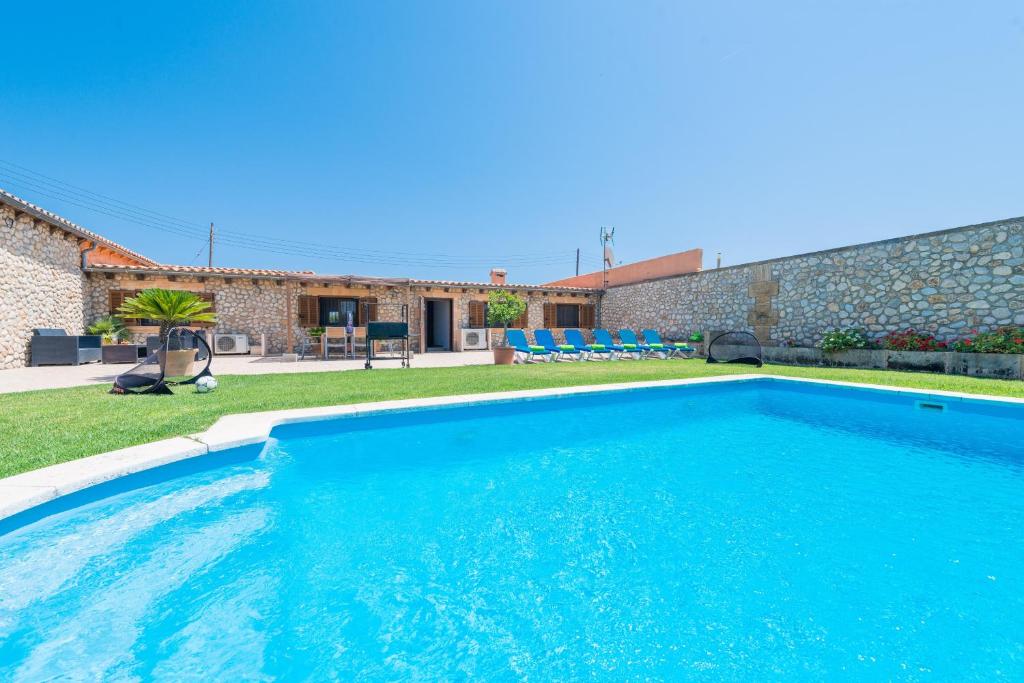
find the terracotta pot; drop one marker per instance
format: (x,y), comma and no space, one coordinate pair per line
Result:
(504,355)
(178,363)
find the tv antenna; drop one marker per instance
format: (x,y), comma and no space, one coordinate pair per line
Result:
(607,254)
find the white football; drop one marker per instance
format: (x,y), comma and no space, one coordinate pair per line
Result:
(205,384)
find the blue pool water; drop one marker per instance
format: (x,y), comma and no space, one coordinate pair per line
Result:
(764,530)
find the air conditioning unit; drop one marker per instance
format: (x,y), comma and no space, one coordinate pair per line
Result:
(473,340)
(230,343)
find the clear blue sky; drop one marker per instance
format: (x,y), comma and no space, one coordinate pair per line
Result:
(480,133)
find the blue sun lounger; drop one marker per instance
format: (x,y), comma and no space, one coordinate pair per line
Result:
(525,351)
(604,337)
(676,348)
(575,337)
(628,338)
(547,340)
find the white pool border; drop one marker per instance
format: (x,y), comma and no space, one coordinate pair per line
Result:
(24,491)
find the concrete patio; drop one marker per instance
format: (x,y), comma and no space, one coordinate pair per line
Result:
(53,377)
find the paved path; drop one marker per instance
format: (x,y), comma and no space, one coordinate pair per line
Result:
(52,377)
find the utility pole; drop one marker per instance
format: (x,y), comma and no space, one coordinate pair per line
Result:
(210,260)
(607,237)
(718,262)
(577,261)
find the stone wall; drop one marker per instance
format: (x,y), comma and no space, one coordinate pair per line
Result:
(40,283)
(944,282)
(243,306)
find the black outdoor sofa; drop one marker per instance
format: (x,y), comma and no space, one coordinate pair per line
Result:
(53,346)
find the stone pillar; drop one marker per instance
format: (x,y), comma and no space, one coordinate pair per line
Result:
(762,316)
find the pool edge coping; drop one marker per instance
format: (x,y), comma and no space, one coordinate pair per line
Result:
(31,489)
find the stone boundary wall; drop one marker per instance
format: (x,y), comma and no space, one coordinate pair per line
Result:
(945,283)
(40,283)
(996,365)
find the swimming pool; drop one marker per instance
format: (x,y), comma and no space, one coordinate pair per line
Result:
(747,530)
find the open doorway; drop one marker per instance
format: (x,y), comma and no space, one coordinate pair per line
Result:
(438,324)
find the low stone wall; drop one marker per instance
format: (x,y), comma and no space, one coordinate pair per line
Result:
(40,283)
(995,365)
(944,283)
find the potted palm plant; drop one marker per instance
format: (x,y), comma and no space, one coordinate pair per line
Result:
(502,308)
(170,308)
(110,329)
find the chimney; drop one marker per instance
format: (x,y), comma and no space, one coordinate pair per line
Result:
(498,276)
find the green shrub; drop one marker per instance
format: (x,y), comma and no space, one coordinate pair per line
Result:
(697,337)
(110,328)
(844,339)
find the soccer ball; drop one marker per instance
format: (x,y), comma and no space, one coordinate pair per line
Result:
(205,384)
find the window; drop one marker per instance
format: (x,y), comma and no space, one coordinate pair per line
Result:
(523,321)
(478,317)
(588,316)
(334,311)
(309,310)
(117,298)
(567,315)
(477,314)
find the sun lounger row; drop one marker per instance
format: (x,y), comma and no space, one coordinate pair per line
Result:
(604,346)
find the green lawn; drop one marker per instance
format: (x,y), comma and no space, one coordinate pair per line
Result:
(45,427)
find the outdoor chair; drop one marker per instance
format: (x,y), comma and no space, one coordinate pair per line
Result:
(575,337)
(52,346)
(335,338)
(304,346)
(680,349)
(628,338)
(547,340)
(526,352)
(605,337)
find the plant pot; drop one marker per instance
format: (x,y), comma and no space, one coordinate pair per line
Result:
(178,363)
(504,355)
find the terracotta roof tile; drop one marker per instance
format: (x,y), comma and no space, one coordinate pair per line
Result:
(73,228)
(507,285)
(199,270)
(308,275)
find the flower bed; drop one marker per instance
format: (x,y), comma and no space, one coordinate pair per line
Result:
(998,365)
(911,340)
(1003,340)
(1008,340)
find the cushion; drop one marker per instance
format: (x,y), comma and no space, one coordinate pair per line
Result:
(597,347)
(566,347)
(629,346)
(657,346)
(534,347)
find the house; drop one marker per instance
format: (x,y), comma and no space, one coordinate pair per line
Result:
(54,273)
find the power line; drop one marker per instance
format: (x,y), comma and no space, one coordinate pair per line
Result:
(296,248)
(77,196)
